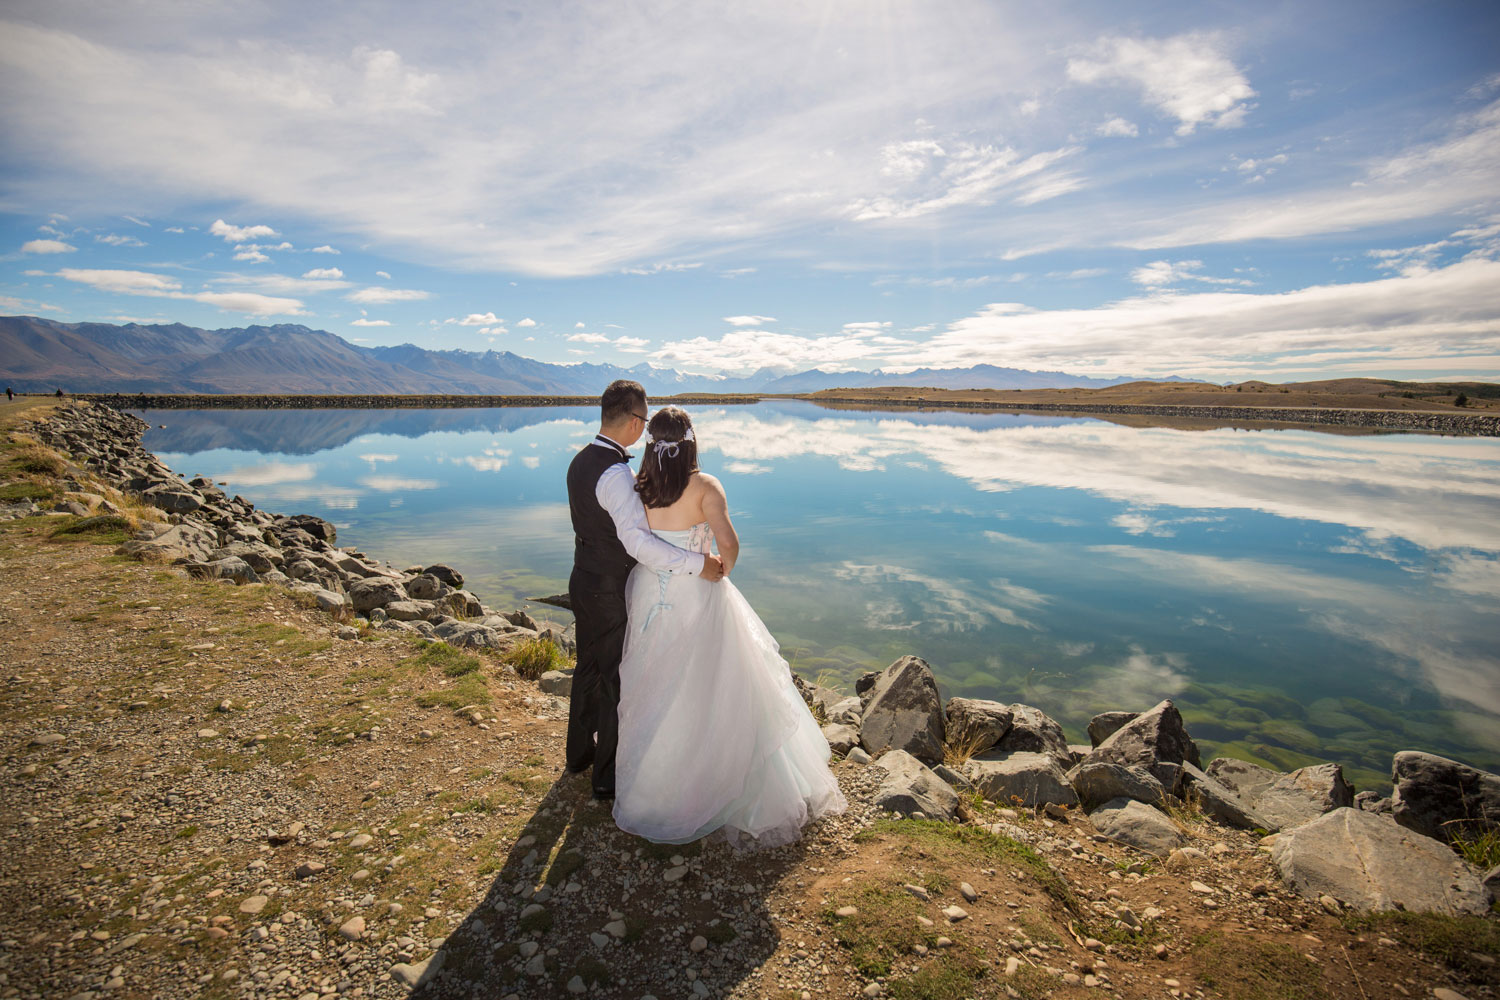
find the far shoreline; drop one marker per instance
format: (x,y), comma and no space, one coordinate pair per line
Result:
(1448,421)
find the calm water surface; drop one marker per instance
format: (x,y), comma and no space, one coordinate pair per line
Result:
(1303,595)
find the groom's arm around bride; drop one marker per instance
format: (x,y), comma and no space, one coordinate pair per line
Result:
(610,535)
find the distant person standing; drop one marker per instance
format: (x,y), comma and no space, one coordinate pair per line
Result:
(9,395)
(59,394)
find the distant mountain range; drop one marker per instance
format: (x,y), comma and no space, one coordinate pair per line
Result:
(40,355)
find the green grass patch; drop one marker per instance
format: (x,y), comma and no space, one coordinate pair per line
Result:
(535,657)
(1454,941)
(885,928)
(102,529)
(35,460)
(26,489)
(186,832)
(972,842)
(468,689)
(452,662)
(1479,848)
(1238,967)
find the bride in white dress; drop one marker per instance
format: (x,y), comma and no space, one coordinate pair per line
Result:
(713,734)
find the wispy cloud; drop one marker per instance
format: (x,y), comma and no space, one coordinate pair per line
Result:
(239,234)
(1188,77)
(47,246)
(380,296)
(159,286)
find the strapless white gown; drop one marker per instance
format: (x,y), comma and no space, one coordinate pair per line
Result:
(713,735)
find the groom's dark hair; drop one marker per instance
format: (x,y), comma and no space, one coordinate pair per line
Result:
(623,398)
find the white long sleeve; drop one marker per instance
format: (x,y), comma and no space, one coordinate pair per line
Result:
(616,493)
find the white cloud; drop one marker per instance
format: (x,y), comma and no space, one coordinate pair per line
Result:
(282,283)
(159,286)
(325,248)
(271,473)
(923,177)
(138,222)
(477,319)
(631,345)
(254,256)
(1446,317)
(527,322)
(588,338)
(252,303)
(115,240)
(1187,76)
(381,296)
(370,322)
(748,320)
(1160,273)
(47,246)
(239,234)
(129,282)
(174,229)
(660,268)
(323,273)
(398,484)
(1118,127)
(751,349)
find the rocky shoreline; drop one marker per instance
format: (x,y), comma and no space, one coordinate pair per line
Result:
(1123,811)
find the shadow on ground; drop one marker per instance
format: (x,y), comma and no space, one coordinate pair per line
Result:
(577,897)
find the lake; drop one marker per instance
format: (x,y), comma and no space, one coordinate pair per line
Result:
(1302,595)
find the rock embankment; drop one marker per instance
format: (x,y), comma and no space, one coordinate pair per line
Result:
(1468,424)
(216,536)
(1143,770)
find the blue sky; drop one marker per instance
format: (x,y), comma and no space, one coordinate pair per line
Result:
(1278,190)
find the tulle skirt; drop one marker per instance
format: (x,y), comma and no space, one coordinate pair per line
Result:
(713,735)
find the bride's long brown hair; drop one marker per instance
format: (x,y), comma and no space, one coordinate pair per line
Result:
(664,475)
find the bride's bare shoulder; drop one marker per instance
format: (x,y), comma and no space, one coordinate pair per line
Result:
(704,481)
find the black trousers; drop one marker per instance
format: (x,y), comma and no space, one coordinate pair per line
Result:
(599,613)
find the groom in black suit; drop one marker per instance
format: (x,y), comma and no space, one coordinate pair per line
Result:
(610,535)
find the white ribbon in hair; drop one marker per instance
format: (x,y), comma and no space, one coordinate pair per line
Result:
(669,447)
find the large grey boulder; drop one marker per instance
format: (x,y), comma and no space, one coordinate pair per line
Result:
(1241,777)
(904,712)
(373,592)
(174,498)
(1138,825)
(1106,724)
(314,526)
(1219,802)
(1439,798)
(466,635)
(1304,795)
(232,568)
(447,574)
(1022,778)
(910,786)
(261,557)
(556,682)
(1099,782)
(1032,731)
(975,724)
(841,738)
(845,711)
(1155,740)
(409,611)
(1368,862)
(426,588)
(180,543)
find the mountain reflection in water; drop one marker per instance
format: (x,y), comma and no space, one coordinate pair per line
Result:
(1304,595)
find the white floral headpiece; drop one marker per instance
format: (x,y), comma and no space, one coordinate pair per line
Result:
(668,447)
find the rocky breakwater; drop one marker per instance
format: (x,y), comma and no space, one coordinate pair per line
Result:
(212,535)
(1141,777)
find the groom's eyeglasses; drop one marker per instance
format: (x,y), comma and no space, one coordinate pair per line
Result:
(639,416)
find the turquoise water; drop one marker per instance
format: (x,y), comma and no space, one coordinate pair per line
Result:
(1303,595)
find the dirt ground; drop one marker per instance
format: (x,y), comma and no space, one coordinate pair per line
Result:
(205,793)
